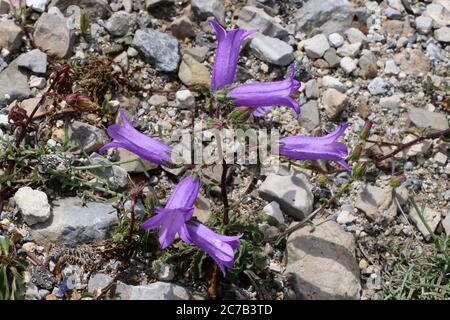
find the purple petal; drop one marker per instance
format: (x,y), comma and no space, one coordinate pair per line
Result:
(185,193)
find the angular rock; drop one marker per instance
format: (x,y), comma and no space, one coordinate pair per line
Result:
(13,84)
(348,65)
(98,281)
(431,216)
(52,35)
(349,50)
(96,8)
(378,86)
(34,60)
(336,40)
(392,102)
(202,209)
(442,34)
(182,28)
(439,14)
(10,36)
(421,118)
(355,36)
(293,193)
(332,58)
(310,118)
(116,177)
(417,149)
(327,16)
(321,265)
(73,223)
(435,52)
(33,205)
(153,291)
(446,224)
(368,65)
(413,62)
(393,14)
(272,50)
(424,24)
(204,9)
(89,137)
(273,210)
(312,89)
(334,103)
(331,82)
(185,99)
(377,204)
(193,73)
(316,46)
(37,5)
(159,49)
(120,23)
(390,68)
(255,18)
(140,165)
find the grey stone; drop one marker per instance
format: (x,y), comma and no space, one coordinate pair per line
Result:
(120,23)
(346,215)
(349,50)
(32,292)
(392,102)
(256,18)
(426,119)
(98,281)
(33,205)
(446,223)
(312,89)
(273,210)
(439,14)
(96,8)
(378,86)
(336,40)
(310,118)
(52,35)
(393,14)
(166,272)
(198,53)
(332,248)
(293,193)
(89,137)
(140,165)
(332,58)
(13,84)
(334,103)
(390,68)
(377,204)
(368,65)
(435,52)
(116,177)
(37,5)
(34,60)
(424,24)
(432,217)
(185,99)
(327,16)
(153,291)
(160,49)
(10,36)
(355,36)
(204,9)
(331,82)
(73,223)
(442,34)
(316,46)
(272,50)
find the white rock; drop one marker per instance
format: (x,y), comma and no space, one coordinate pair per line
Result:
(378,86)
(33,205)
(354,36)
(273,210)
(348,65)
(272,50)
(316,46)
(185,99)
(392,102)
(347,215)
(37,5)
(349,50)
(442,34)
(331,82)
(37,82)
(391,68)
(424,24)
(336,40)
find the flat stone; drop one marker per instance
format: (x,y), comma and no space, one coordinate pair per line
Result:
(377,204)
(89,137)
(193,73)
(439,14)
(432,217)
(420,148)
(424,24)
(316,46)
(256,18)
(310,118)
(159,49)
(153,291)
(116,177)
(413,62)
(52,35)
(392,102)
(398,28)
(331,82)
(346,215)
(293,193)
(349,49)
(328,245)
(442,34)
(10,36)
(204,9)
(13,84)
(355,36)
(334,103)
(332,58)
(272,50)
(140,165)
(378,86)
(336,40)
(34,60)
(120,23)
(421,118)
(33,205)
(327,16)
(96,8)
(73,223)
(273,210)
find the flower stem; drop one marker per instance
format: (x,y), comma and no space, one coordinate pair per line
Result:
(223,188)
(104,165)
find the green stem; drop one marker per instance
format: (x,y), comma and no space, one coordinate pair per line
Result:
(104,165)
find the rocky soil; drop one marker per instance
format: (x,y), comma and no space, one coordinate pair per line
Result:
(385,61)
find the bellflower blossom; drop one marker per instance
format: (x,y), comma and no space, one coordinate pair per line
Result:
(227,54)
(129,138)
(219,247)
(262,95)
(179,208)
(316,148)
